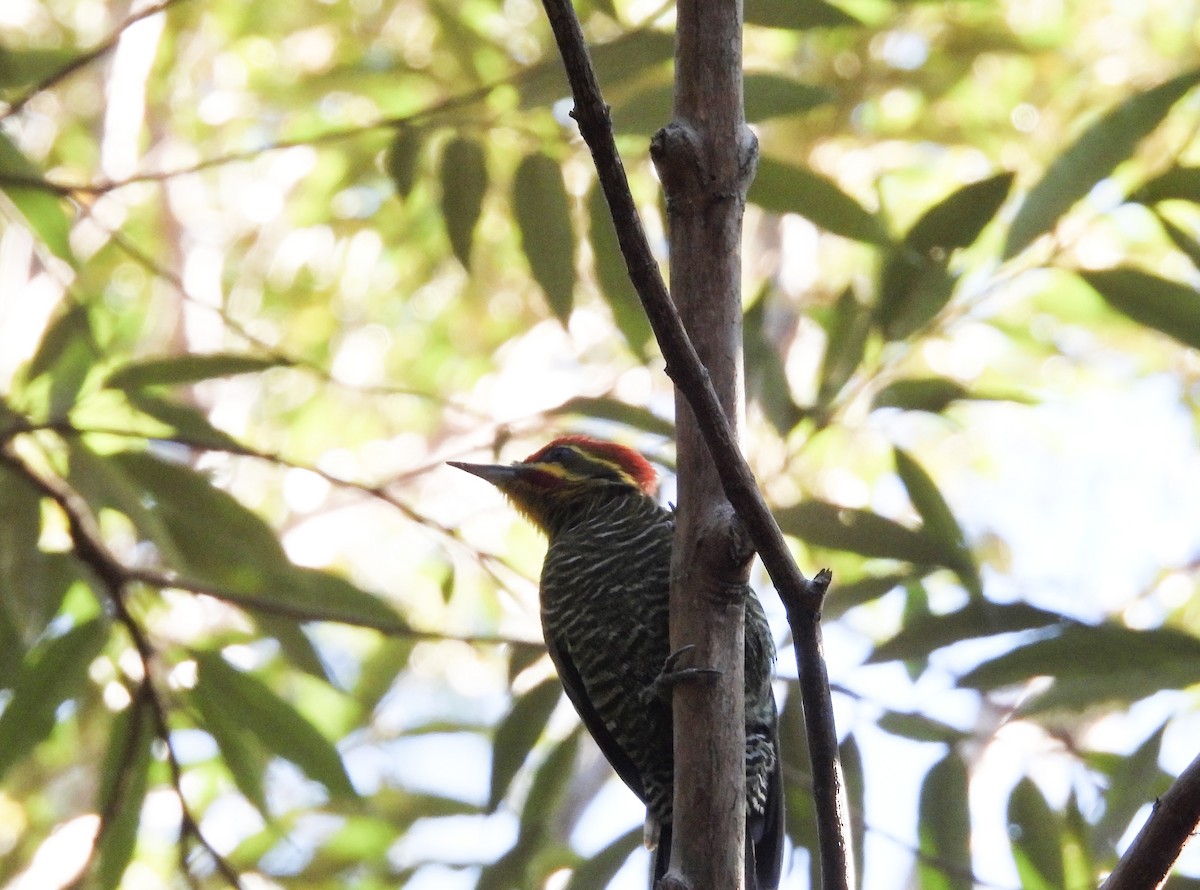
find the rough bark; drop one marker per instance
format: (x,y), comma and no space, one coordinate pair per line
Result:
(706,159)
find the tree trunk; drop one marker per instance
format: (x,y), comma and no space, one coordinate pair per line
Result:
(706,159)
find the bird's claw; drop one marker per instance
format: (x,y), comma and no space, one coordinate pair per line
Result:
(671,673)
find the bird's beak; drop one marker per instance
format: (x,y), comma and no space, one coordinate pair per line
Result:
(497,475)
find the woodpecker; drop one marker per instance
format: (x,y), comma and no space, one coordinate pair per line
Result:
(604,608)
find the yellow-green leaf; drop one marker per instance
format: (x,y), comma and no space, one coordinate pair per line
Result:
(543,214)
(464,181)
(52,673)
(1092,157)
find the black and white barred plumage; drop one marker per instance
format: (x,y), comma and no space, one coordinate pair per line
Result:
(604,601)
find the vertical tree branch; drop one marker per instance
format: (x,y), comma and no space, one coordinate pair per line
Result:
(802,597)
(706,158)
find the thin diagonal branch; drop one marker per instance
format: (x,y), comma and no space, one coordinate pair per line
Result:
(801,597)
(1172,823)
(85,59)
(114,578)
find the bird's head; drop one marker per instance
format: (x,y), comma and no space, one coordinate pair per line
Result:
(567,472)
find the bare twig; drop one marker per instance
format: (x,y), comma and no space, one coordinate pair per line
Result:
(801,597)
(1172,823)
(117,797)
(488,561)
(85,59)
(114,577)
(166,579)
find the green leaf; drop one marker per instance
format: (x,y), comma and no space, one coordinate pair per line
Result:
(1133,779)
(919,727)
(617,61)
(1103,662)
(613,277)
(549,786)
(770,96)
(785,188)
(312,595)
(105,484)
(210,538)
(124,777)
(944,826)
(66,356)
(916,610)
(1166,306)
(767,96)
(956,221)
(978,618)
(26,67)
(514,868)
(1036,833)
(1184,242)
(11,421)
(845,596)
(932,394)
(797,15)
(510,870)
(517,733)
(295,645)
(275,723)
(521,658)
(847,325)
(629,55)
(799,813)
(912,291)
(854,782)
(361,840)
(603,865)
(239,752)
(543,214)
(20,564)
(52,673)
(464,181)
(1079,864)
(620,412)
(177,370)
(1176,184)
(41,208)
(766,379)
(12,646)
(938,522)
(33,582)
(400,159)
(1092,157)
(916,284)
(186,422)
(217,539)
(645,111)
(858,531)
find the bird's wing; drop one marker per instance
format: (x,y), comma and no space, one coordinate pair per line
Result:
(572,682)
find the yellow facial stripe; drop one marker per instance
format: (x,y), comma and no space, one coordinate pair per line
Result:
(556,470)
(591,466)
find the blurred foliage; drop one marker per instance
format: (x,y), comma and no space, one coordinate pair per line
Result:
(265,266)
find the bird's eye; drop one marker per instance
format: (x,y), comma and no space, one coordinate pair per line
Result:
(557,455)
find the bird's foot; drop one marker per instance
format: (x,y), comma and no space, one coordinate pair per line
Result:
(672,673)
